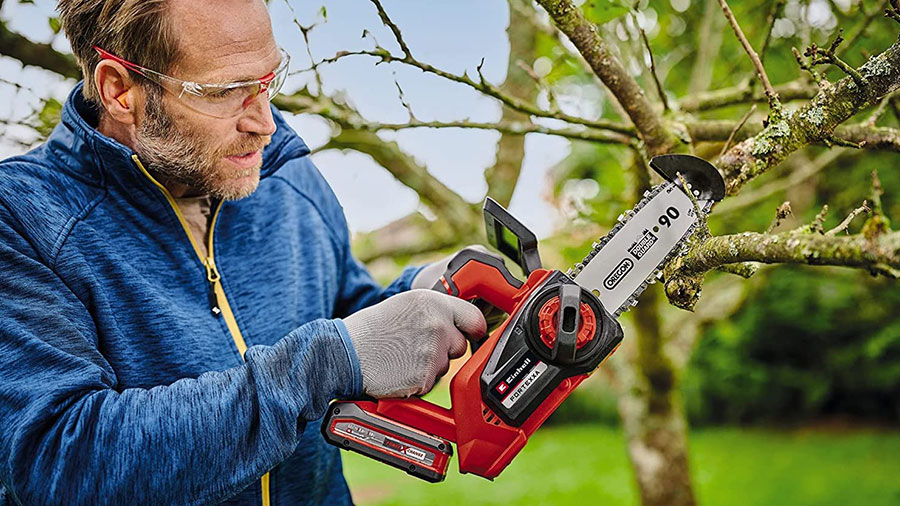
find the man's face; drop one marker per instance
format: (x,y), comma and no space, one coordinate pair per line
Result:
(219,41)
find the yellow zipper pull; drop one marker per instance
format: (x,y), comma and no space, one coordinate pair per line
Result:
(212,275)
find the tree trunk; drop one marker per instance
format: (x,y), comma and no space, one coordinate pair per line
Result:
(651,410)
(652,414)
(503,176)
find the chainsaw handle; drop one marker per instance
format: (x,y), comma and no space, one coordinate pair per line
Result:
(473,274)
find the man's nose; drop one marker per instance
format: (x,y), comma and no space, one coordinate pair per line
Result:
(257,118)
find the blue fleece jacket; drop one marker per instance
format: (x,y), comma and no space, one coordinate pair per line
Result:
(118,383)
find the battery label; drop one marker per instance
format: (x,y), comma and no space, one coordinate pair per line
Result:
(374,438)
(519,391)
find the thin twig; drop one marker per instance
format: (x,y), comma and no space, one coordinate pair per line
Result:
(777,8)
(846,223)
(774,104)
(483,86)
(402,97)
(818,56)
(834,140)
(818,223)
(347,118)
(736,129)
(390,24)
(820,82)
(305,31)
(659,87)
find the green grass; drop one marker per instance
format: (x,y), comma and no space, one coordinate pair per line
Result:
(588,465)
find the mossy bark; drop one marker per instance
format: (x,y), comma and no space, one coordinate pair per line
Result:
(814,122)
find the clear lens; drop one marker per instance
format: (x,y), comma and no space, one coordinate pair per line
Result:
(229,100)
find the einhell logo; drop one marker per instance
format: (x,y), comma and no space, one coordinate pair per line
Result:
(618,273)
(502,387)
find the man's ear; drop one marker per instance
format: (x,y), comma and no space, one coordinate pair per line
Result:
(119,93)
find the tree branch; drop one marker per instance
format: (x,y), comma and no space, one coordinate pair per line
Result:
(503,175)
(481,85)
(796,248)
(394,29)
(774,103)
(304,103)
(816,121)
(860,135)
(846,223)
(797,89)
(40,55)
(586,37)
(659,86)
(818,56)
(441,200)
(411,235)
(736,128)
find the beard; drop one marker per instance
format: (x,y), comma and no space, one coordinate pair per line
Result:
(190,158)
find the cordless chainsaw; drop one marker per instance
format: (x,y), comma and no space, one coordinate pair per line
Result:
(560,328)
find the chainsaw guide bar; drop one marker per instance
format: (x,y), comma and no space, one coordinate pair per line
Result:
(622,264)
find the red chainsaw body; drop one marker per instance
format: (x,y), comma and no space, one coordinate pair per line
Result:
(485,443)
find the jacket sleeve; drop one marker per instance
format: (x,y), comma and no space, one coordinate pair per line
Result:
(68,435)
(356,287)
(359,290)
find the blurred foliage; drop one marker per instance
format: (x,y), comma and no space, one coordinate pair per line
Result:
(47,118)
(811,342)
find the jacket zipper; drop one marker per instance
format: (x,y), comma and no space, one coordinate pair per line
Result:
(218,302)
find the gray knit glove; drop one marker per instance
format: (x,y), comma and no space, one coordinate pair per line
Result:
(406,342)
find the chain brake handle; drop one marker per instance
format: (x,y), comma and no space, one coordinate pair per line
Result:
(491,278)
(509,236)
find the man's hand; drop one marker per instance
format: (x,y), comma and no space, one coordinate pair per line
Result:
(405,342)
(431,273)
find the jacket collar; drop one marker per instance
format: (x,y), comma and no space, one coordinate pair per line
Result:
(99,158)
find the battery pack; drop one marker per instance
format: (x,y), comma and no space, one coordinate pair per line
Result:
(348,425)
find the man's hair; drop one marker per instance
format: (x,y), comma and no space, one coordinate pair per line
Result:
(134,30)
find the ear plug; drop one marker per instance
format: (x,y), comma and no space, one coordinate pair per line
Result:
(123,99)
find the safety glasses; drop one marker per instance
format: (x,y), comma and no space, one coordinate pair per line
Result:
(224,100)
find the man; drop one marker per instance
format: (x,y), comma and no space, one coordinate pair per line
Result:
(178,301)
